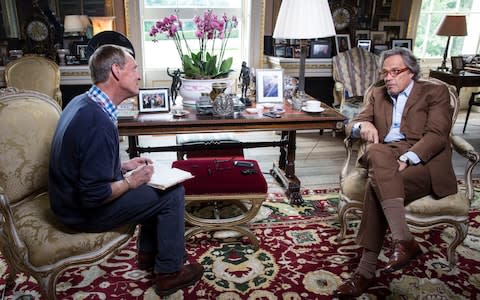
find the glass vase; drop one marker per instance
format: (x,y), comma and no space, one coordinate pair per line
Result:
(222,103)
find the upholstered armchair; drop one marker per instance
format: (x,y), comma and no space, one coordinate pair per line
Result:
(425,212)
(35,73)
(354,71)
(31,239)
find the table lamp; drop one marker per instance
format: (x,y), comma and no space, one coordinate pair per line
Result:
(73,25)
(102,24)
(451,26)
(303,20)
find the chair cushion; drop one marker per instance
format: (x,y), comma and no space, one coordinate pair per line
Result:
(453,205)
(221,176)
(49,242)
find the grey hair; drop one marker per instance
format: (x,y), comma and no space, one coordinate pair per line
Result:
(101,61)
(409,59)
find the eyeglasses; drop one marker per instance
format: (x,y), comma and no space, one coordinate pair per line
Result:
(394,73)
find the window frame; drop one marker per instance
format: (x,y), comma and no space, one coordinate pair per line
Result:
(154,77)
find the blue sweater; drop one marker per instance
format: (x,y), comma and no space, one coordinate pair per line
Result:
(84,161)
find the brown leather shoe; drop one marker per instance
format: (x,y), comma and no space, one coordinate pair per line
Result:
(354,286)
(146,260)
(169,283)
(403,251)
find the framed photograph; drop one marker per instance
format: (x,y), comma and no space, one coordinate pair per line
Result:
(321,48)
(280,50)
(365,44)
(362,35)
(81,52)
(289,51)
(342,42)
(269,85)
(403,43)
(378,49)
(395,29)
(153,100)
(378,37)
(457,64)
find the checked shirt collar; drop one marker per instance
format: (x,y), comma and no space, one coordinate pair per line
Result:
(105,103)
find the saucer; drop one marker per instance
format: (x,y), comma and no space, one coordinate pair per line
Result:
(278,111)
(313,110)
(180,114)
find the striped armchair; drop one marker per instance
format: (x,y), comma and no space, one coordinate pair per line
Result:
(353,72)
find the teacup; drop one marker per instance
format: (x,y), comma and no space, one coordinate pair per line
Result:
(260,108)
(312,104)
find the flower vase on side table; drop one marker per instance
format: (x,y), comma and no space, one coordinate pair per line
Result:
(222,104)
(191,89)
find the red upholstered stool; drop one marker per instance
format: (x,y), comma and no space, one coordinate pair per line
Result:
(219,180)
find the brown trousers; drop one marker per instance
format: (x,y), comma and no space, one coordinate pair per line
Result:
(386,182)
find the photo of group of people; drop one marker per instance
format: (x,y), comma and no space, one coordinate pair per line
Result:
(153,100)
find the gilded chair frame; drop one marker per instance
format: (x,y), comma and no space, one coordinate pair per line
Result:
(426,212)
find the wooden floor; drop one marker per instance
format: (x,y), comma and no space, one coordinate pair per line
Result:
(318,157)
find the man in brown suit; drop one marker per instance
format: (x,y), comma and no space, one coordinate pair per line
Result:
(406,124)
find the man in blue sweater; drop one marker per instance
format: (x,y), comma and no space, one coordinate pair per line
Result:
(88,188)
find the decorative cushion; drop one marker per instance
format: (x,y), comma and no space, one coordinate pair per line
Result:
(453,205)
(222,176)
(48,241)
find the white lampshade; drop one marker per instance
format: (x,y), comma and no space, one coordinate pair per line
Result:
(304,19)
(102,24)
(85,22)
(73,24)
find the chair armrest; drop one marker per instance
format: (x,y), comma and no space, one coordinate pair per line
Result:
(465,149)
(338,93)
(339,86)
(8,232)
(352,146)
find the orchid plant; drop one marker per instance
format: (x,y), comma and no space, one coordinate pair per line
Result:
(208,62)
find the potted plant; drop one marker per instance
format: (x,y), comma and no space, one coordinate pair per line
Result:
(208,64)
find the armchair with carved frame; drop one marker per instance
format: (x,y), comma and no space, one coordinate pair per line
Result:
(426,212)
(32,241)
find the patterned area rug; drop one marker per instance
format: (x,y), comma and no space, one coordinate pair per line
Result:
(299,258)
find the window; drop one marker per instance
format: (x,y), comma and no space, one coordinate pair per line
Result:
(432,12)
(163,53)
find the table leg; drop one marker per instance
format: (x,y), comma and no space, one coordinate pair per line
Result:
(285,172)
(133,146)
(282,160)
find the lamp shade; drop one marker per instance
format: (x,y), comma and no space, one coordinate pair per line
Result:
(304,19)
(102,24)
(73,23)
(453,26)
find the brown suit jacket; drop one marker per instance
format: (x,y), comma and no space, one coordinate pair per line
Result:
(426,124)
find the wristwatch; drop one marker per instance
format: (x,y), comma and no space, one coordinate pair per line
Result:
(404,159)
